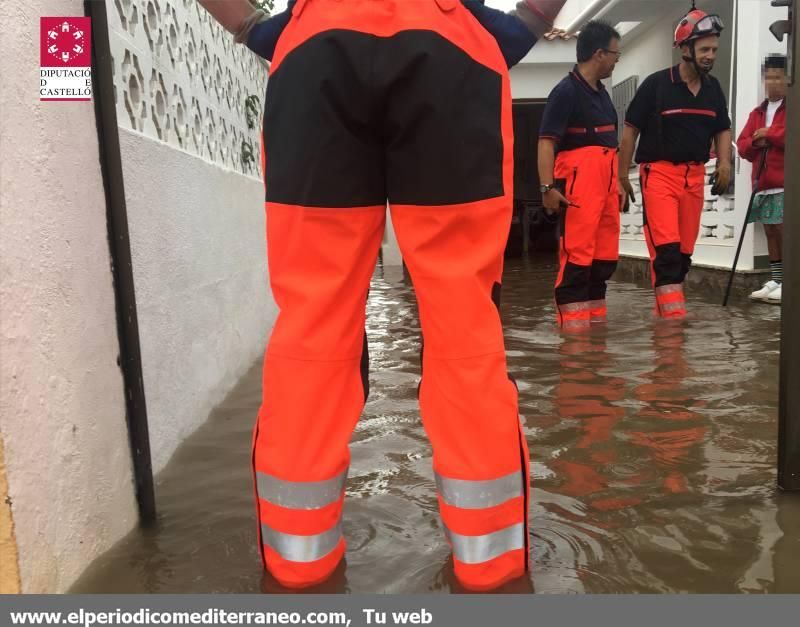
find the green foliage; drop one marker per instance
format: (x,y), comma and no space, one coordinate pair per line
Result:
(267,5)
(247,154)
(252,109)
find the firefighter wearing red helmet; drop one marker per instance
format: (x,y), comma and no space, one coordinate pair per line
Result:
(676,114)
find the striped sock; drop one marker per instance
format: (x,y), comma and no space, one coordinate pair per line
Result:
(776,268)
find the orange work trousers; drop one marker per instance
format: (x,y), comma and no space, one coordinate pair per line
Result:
(673,203)
(589,245)
(408,102)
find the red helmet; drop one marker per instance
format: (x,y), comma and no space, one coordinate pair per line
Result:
(697,24)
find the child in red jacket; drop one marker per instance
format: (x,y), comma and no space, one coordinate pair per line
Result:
(763,138)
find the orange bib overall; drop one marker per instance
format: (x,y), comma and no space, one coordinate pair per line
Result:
(406,102)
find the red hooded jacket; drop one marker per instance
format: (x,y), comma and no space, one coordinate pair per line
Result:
(776,138)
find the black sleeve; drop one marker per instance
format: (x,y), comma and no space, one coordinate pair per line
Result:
(642,105)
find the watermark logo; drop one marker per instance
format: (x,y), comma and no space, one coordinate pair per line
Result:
(66,58)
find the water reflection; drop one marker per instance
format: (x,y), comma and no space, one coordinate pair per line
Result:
(652,446)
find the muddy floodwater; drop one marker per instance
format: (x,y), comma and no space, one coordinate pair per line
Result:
(653,448)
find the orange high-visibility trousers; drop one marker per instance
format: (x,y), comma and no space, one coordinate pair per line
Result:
(589,245)
(672,197)
(405,101)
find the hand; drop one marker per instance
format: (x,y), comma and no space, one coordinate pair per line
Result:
(760,134)
(722,178)
(553,200)
(626,194)
(556,33)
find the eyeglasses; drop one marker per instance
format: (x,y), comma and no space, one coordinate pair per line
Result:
(616,52)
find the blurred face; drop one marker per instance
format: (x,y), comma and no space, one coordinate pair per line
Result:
(608,58)
(775,83)
(705,52)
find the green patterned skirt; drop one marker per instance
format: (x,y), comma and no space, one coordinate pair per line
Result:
(767,209)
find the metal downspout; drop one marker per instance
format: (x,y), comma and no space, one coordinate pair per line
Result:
(130,360)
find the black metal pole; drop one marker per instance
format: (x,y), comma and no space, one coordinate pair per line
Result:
(761,164)
(789,406)
(130,359)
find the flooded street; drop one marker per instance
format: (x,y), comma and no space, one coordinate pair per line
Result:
(653,449)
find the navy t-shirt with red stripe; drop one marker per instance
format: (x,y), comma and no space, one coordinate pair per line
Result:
(565,115)
(688,122)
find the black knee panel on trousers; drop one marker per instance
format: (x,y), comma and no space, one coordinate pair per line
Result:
(668,264)
(601,272)
(687,264)
(574,284)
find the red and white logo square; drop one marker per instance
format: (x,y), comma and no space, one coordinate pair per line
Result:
(65,58)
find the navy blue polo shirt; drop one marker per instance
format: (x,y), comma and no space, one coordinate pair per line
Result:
(688,123)
(569,105)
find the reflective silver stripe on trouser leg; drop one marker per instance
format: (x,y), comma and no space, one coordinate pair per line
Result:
(669,289)
(479,549)
(670,307)
(300,494)
(480,494)
(296,548)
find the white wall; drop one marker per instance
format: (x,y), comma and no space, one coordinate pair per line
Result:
(648,52)
(195,208)
(204,305)
(61,400)
(536,81)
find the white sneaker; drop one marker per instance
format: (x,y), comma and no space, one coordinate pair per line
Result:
(775,295)
(764,292)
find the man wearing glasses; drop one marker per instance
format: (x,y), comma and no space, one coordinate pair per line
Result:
(678,112)
(580,126)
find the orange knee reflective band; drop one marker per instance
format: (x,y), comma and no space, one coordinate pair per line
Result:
(598,309)
(574,316)
(670,300)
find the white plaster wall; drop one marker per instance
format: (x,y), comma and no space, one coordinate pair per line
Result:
(199,257)
(536,81)
(195,207)
(648,52)
(61,398)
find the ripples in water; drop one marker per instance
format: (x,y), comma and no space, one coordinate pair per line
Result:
(653,455)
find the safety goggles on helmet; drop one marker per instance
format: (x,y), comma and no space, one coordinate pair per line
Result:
(709,25)
(705,25)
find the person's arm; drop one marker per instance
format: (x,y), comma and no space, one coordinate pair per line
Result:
(723,141)
(233,15)
(636,118)
(745,142)
(776,135)
(555,120)
(629,136)
(517,31)
(538,15)
(546,160)
(250,25)
(513,37)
